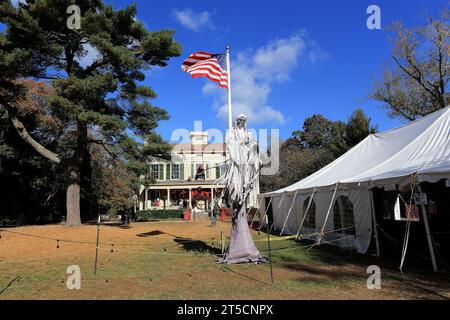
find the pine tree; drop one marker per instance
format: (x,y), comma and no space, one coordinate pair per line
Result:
(99,102)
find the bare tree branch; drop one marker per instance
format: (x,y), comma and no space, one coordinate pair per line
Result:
(11,112)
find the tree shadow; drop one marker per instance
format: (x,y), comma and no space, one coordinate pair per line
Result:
(196,246)
(150,233)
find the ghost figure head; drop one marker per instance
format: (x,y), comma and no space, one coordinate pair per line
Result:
(241,121)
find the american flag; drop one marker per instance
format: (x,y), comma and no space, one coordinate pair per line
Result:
(209,65)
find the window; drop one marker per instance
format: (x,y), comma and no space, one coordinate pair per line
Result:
(310,220)
(175,175)
(217,171)
(154,171)
(344,221)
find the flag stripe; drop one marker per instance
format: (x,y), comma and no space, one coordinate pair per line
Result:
(211,66)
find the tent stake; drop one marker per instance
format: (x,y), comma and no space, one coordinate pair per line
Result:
(427,230)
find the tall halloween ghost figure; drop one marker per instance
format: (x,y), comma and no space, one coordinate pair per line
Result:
(239,180)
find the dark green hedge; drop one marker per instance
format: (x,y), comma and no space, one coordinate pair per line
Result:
(148,215)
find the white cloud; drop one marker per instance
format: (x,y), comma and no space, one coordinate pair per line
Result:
(192,20)
(254,73)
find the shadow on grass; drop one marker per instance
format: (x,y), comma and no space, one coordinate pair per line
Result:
(196,246)
(228,269)
(150,234)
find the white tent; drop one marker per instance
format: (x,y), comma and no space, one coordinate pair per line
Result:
(420,149)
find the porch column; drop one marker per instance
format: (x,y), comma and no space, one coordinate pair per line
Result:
(212,199)
(190,199)
(145,198)
(168,198)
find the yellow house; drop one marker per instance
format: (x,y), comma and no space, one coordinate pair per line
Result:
(176,185)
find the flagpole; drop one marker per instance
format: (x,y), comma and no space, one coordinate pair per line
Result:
(230,123)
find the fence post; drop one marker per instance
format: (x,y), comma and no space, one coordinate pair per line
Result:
(96,247)
(270,252)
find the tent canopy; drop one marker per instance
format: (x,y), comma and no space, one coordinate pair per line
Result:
(421,147)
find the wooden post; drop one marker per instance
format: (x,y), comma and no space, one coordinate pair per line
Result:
(270,252)
(96,247)
(145,198)
(427,230)
(222,242)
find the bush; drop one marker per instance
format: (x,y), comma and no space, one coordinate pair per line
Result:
(148,215)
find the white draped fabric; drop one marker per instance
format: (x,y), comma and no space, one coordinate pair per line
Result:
(239,180)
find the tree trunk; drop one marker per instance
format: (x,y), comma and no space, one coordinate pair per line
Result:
(74,173)
(73,198)
(242,249)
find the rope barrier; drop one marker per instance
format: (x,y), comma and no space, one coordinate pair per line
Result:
(115,247)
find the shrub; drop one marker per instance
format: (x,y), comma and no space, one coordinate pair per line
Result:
(148,215)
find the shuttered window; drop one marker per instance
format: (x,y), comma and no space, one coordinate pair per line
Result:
(344,221)
(310,220)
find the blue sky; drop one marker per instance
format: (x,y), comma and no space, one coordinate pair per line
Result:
(289,59)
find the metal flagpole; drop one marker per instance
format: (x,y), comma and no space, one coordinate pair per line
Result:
(230,124)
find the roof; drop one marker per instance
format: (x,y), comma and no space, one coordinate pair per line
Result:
(420,147)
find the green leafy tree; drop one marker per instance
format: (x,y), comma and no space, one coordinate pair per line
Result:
(358,127)
(98,103)
(318,143)
(416,82)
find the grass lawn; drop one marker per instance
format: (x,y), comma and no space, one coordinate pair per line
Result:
(178,260)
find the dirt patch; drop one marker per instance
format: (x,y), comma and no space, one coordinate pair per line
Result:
(178,260)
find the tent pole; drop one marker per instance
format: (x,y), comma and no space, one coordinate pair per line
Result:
(289,212)
(281,201)
(265,213)
(427,230)
(375,225)
(311,199)
(258,211)
(278,209)
(328,213)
